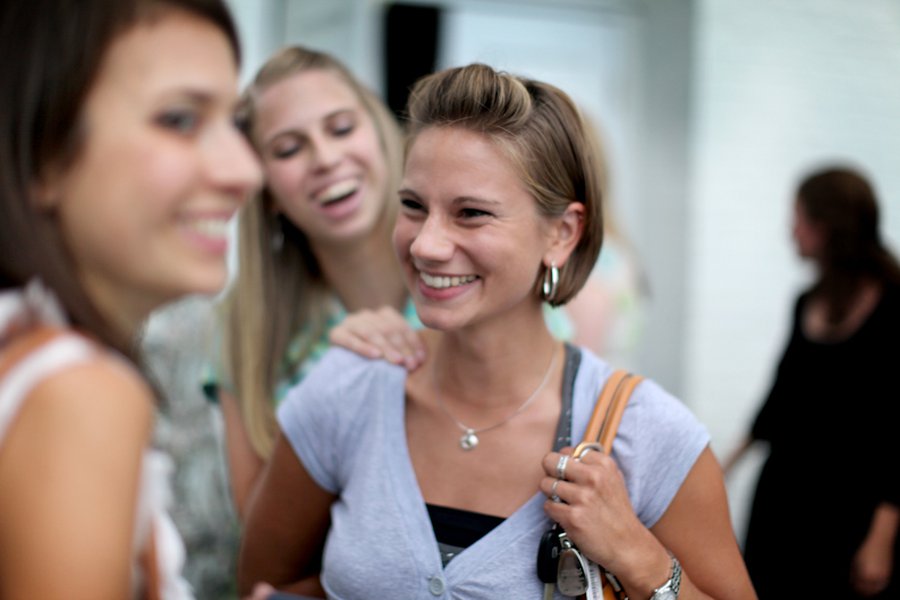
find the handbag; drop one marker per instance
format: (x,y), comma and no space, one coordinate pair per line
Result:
(20,348)
(599,435)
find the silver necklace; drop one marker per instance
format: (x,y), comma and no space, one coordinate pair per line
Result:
(469,438)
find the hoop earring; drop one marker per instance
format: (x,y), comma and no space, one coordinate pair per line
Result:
(551,282)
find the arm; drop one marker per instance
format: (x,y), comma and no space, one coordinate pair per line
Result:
(286,524)
(696,528)
(381,333)
(873,562)
(245,466)
(70,472)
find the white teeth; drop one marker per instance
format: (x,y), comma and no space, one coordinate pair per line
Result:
(337,190)
(212,228)
(444,281)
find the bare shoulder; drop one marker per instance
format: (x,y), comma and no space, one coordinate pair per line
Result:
(72,462)
(91,408)
(94,394)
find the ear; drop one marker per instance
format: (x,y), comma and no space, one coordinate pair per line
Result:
(566,232)
(46,191)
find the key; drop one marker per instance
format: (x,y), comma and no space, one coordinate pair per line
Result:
(548,555)
(571,576)
(548,591)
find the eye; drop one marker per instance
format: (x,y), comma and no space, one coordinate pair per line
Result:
(473,213)
(286,148)
(184,121)
(343,130)
(410,205)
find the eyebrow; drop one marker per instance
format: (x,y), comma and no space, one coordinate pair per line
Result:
(456,201)
(294,131)
(200,98)
(187,93)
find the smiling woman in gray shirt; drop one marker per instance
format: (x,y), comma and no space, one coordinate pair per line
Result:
(442,481)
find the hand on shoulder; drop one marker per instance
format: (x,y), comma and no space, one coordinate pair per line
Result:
(381,333)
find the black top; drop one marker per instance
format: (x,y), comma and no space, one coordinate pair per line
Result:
(457,529)
(831,420)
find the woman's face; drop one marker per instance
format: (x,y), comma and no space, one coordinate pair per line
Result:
(808,236)
(145,207)
(323,160)
(468,234)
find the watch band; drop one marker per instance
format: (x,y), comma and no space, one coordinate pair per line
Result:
(670,588)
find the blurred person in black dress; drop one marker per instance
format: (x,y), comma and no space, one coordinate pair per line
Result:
(825,512)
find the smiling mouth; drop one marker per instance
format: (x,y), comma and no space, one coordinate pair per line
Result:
(336,193)
(215,228)
(440,282)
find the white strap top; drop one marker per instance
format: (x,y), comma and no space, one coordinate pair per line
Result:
(34,305)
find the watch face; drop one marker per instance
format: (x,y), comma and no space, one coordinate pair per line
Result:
(664,593)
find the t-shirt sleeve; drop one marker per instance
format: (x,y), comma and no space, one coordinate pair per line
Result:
(320,416)
(658,443)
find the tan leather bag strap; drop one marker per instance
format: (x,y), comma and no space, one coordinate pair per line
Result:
(601,408)
(614,415)
(608,411)
(602,428)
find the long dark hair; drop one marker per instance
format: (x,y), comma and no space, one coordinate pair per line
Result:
(51,52)
(842,203)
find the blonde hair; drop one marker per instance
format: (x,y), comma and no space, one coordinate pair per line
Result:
(541,130)
(279,288)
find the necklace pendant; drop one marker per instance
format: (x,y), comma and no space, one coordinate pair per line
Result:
(469,440)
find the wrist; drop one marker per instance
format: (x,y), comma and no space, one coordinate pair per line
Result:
(654,573)
(670,589)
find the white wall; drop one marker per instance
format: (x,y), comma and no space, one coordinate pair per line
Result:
(596,65)
(780,87)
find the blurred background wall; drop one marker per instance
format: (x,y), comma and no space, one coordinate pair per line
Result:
(711,111)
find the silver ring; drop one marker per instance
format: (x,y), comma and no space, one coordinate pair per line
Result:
(584,448)
(561,466)
(553,495)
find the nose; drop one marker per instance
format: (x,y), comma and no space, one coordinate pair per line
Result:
(432,242)
(233,165)
(326,152)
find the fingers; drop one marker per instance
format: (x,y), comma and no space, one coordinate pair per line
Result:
(346,337)
(869,587)
(261,591)
(590,483)
(556,464)
(381,333)
(556,490)
(869,581)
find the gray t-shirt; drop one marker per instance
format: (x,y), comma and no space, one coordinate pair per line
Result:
(345,421)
